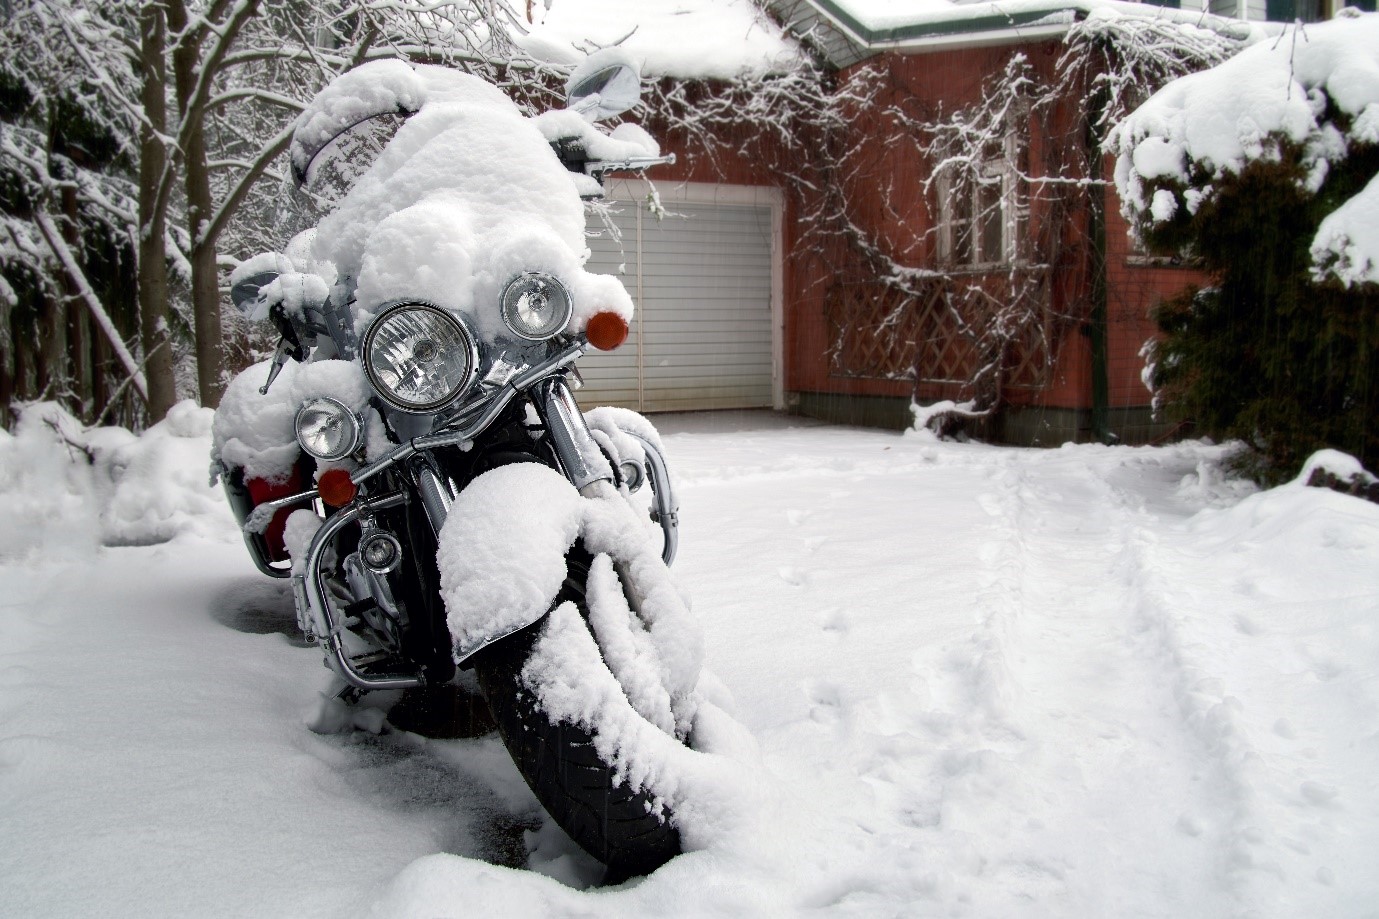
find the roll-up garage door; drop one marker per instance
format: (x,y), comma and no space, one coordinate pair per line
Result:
(701,277)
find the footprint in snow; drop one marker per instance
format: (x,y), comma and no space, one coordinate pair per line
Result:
(826,701)
(990,503)
(834,620)
(797,517)
(1246,626)
(795,577)
(1317,793)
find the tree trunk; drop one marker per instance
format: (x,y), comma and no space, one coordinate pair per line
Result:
(78,328)
(153,266)
(9,372)
(186,66)
(101,389)
(52,347)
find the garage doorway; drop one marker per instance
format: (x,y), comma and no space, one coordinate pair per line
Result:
(706,278)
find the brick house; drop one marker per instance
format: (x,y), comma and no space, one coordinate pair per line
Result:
(744,304)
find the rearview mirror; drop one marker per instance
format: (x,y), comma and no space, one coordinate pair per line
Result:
(605,84)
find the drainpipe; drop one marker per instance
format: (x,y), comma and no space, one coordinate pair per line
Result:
(1096,228)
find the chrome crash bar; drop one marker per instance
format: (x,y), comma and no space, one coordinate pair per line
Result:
(313,595)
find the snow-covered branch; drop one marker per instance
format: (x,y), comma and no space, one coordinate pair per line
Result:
(54,239)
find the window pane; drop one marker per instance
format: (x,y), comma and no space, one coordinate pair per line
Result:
(960,224)
(989,220)
(1278,10)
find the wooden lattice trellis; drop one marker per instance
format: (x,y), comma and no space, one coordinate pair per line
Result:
(949,329)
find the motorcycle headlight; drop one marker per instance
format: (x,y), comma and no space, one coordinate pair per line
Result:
(419,357)
(327,429)
(536,306)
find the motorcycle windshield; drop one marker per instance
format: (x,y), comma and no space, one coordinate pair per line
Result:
(339,164)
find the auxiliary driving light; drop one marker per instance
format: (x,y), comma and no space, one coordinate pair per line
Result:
(327,429)
(380,552)
(536,306)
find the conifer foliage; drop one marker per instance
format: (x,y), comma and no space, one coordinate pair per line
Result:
(1280,350)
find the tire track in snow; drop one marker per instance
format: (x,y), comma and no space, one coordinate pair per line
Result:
(1062,758)
(1260,837)
(1245,844)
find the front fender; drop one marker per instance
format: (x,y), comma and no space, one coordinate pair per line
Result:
(502,551)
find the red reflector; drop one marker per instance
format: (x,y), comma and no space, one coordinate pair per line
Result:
(336,487)
(606,331)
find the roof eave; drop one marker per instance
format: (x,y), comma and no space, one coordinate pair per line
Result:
(1046,22)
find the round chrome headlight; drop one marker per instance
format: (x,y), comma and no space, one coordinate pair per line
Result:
(536,306)
(327,429)
(419,357)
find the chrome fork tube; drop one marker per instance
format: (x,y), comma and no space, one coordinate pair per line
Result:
(436,497)
(579,454)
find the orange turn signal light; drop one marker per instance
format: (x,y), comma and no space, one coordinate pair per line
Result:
(336,487)
(606,330)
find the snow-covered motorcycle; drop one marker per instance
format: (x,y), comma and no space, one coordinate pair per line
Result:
(416,463)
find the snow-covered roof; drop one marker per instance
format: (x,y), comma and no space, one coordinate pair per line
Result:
(675,38)
(852,30)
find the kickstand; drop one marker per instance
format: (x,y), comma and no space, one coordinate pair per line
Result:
(350,695)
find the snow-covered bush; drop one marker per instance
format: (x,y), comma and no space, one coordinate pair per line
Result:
(65,487)
(1265,168)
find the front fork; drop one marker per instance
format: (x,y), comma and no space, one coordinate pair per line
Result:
(585,464)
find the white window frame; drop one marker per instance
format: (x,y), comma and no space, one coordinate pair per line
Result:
(1012,205)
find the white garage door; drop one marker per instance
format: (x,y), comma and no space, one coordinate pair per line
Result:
(703,278)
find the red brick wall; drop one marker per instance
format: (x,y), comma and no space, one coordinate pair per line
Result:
(1134,286)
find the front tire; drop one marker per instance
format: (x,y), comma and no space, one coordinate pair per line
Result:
(605,815)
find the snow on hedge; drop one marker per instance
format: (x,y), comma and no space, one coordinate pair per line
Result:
(1315,87)
(1347,243)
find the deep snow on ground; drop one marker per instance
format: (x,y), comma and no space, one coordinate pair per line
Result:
(984,682)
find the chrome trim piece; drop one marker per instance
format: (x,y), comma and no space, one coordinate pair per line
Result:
(435,496)
(262,514)
(579,454)
(667,511)
(263,564)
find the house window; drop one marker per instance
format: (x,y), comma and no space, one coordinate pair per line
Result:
(982,208)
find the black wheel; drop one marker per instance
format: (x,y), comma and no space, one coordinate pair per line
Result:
(608,818)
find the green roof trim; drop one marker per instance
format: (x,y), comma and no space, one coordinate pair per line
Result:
(937,29)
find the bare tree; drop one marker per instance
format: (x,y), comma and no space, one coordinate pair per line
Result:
(200,95)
